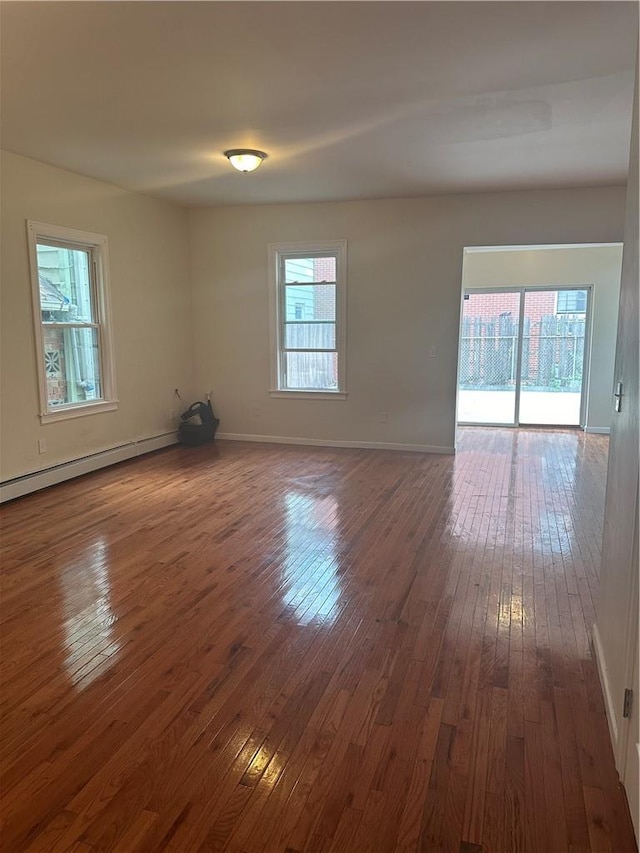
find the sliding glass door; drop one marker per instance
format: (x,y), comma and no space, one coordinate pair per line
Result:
(553,345)
(522,356)
(489,357)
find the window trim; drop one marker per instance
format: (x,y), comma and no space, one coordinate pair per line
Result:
(97,244)
(307,249)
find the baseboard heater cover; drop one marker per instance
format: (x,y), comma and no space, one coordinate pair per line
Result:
(37,480)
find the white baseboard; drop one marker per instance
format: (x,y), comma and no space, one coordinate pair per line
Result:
(322,442)
(598,430)
(606,689)
(76,467)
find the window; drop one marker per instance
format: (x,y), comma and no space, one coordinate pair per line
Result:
(69,274)
(572,302)
(308,308)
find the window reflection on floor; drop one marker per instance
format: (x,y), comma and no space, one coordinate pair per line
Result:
(504,497)
(90,644)
(311,566)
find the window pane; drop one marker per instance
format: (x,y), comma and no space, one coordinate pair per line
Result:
(72,366)
(310,302)
(572,302)
(311,371)
(309,269)
(310,336)
(65,285)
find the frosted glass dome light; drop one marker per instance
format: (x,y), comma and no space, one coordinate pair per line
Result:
(245,159)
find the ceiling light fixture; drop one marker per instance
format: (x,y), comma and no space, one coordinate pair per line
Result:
(245,159)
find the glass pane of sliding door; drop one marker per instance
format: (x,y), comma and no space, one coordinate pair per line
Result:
(489,357)
(553,341)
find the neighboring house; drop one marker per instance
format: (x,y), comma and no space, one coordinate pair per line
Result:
(65,295)
(314,305)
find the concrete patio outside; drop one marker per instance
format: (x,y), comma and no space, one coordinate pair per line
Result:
(536,407)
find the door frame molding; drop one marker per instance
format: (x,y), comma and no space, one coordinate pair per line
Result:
(631,652)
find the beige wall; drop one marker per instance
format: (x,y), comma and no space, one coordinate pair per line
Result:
(150,297)
(404,278)
(598,266)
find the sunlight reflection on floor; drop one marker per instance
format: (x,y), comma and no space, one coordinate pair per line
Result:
(311,564)
(89,639)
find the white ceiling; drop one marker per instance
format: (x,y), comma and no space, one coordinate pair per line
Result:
(350,99)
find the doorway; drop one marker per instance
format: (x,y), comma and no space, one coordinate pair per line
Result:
(523,356)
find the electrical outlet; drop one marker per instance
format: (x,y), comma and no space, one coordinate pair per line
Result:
(42,445)
(433,352)
(172,415)
(382,417)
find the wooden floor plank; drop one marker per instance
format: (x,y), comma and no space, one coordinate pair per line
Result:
(260,649)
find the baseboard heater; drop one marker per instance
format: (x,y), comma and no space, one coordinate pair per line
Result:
(37,480)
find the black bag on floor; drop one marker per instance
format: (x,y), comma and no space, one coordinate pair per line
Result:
(199,424)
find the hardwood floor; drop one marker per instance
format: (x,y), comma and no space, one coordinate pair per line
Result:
(261,648)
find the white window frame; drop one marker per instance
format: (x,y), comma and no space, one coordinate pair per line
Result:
(276,252)
(97,245)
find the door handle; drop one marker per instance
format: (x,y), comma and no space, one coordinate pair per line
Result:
(618,397)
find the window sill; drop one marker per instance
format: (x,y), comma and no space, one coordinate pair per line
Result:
(65,414)
(310,395)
